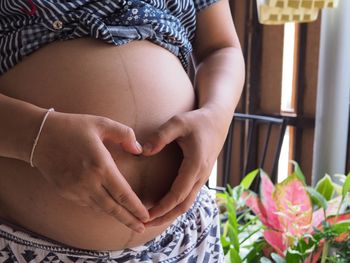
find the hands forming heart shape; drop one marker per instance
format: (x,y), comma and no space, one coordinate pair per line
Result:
(87,175)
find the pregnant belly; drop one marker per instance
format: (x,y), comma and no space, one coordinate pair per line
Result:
(139,84)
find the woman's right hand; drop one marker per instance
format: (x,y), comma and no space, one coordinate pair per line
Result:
(72,157)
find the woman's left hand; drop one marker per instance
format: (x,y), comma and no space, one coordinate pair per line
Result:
(200,134)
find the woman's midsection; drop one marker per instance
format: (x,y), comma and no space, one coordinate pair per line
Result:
(139,84)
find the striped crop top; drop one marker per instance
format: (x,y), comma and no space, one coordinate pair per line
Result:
(27,25)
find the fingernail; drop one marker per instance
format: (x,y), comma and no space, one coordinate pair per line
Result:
(147,147)
(144,219)
(138,146)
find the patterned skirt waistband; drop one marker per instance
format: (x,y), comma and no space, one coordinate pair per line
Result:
(185,233)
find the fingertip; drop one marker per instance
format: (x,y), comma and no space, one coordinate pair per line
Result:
(142,213)
(131,148)
(140,229)
(139,147)
(153,213)
(149,219)
(147,148)
(149,224)
(145,219)
(154,222)
(150,150)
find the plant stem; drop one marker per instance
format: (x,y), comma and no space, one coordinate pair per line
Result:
(325,252)
(242,215)
(250,234)
(249,223)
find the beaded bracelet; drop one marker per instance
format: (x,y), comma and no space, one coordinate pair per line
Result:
(37,137)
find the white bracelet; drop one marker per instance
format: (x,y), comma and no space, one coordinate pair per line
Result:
(37,137)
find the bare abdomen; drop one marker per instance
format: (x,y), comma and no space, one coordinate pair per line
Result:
(141,85)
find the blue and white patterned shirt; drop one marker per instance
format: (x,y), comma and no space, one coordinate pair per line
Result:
(27,25)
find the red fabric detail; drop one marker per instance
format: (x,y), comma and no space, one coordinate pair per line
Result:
(33,8)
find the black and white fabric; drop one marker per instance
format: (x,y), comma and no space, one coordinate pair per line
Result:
(27,25)
(194,237)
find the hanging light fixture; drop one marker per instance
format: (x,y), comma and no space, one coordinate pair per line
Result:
(277,12)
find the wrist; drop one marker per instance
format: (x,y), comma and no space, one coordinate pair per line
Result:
(218,113)
(20,121)
(38,136)
(30,132)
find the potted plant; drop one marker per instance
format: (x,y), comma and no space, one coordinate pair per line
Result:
(286,222)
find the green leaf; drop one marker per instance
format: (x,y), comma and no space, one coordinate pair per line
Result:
(346,186)
(224,234)
(303,248)
(338,184)
(341,177)
(256,251)
(317,198)
(325,187)
(345,189)
(229,189)
(232,216)
(248,179)
(341,227)
(221,195)
(337,188)
(292,257)
(224,241)
(277,258)
(237,192)
(233,234)
(234,256)
(298,172)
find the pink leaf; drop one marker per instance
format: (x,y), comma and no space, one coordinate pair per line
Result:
(266,190)
(333,205)
(254,203)
(339,218)
(276,240)
(294,206)
(317,217)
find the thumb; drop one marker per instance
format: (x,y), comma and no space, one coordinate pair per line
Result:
(123,135)
(167,133)
(133,147)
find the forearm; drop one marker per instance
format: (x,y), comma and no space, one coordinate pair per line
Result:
(20,122)
(219,82)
